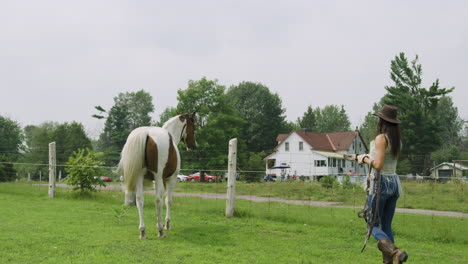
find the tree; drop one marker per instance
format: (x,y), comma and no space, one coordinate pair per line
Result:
(308,122)
(68,138)
(167,114)
(263,113)
(368,129)
(84,170)
(333,119)
(11,138)
(417,108)
(327,120)
(447,154)
(7,170)
(217,123)
(450,123)
(130,110)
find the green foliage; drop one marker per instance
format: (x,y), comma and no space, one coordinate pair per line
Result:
(11,138)
(347,184)
(217,123)
(68,138)
(84,171)
(447,154)
(120,213)
(328,182)
(167,114)
(368,129)
(130,110)
(327,120)
(255,167)
(11,145)
(450,123)
(263,113)
(7,171)
(417,109)
(205,97)
(404,167)
(84,231)
(308,121)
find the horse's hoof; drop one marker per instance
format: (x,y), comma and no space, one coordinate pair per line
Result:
(142,234)
(161,234)
(167,226)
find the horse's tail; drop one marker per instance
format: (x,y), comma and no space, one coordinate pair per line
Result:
(132,158)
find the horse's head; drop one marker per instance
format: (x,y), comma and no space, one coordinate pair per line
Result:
(188,132)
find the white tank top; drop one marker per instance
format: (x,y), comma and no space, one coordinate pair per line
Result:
(390,163)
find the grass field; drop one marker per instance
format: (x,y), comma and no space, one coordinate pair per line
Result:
(95,228)
(452,196)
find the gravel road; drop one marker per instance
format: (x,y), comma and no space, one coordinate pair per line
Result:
(260,199)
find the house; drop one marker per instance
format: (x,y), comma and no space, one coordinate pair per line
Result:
(313,155)
(446,171)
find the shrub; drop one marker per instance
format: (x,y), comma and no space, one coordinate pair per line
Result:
(328,182)
(84,170)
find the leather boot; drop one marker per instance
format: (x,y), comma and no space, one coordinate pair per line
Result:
(390,253)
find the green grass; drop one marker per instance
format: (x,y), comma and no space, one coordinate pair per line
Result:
(95,228)
(452,196)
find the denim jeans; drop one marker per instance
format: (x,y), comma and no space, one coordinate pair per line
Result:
(390,190)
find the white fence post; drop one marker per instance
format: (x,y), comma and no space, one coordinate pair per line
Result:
(52,166)
(231,185)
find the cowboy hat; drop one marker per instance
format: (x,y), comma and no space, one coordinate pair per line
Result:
(388,113)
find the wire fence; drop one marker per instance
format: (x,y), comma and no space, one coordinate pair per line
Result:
(243,174)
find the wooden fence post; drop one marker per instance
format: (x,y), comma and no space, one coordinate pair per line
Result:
(52,166)
(231,185)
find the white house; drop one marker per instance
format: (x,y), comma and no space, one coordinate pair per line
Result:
(313,155)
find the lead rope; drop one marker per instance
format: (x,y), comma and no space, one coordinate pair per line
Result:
(370,215)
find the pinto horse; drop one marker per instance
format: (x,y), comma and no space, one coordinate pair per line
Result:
(151,154)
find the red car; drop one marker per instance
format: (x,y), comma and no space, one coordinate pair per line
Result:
(105,179)
(196,177)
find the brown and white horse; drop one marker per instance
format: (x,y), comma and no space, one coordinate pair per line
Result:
(151,154)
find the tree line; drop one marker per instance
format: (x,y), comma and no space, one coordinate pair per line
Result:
(248,111)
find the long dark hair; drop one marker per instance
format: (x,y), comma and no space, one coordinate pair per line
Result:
(392,130)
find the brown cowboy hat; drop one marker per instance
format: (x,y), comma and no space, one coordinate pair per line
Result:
(388,113)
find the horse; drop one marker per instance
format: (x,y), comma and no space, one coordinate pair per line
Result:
(151,154)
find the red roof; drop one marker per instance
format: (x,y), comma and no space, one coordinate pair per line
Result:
(324,141)
(281,137)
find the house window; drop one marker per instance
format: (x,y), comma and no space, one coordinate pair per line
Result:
(301,146)
(286,146)
(320,163)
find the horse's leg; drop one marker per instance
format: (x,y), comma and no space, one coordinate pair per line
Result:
(140,203)
(159,191)
(170,187)
(130,198)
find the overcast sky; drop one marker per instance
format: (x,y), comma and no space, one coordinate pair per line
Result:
(58,59)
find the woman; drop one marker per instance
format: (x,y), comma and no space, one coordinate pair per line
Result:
(383,157)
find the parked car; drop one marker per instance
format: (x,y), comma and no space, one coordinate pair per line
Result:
(105,179)
(181,178)
(269,178)
(196,177)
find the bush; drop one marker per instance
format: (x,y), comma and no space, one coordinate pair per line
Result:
(7,171)
(328,182)
(84,170)
(346,184)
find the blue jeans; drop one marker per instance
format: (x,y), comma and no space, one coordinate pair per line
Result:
(389,193)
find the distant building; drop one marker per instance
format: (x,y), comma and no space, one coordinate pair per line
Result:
(447,171)
(312,155)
